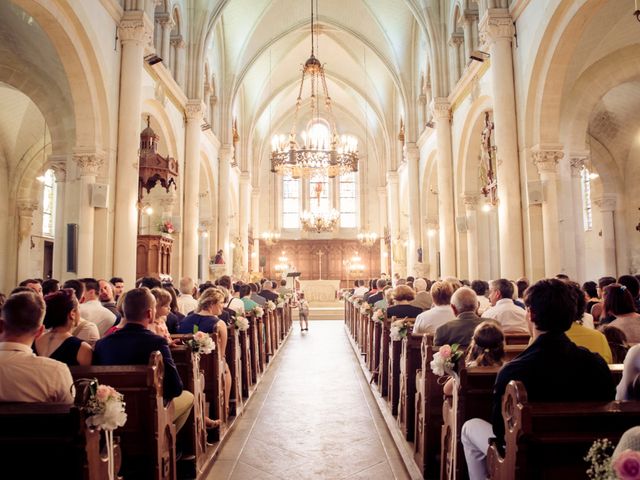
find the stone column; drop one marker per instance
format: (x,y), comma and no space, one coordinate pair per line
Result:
(204,231)
(577,164)
(546,161)
(89,165)
(412,154)
(607,205)
(467,27)
(383,227)
(134,32)
(59,166)
(393,211)
(224,155)
(193,112)
(25,209)
(470,204)
(455,42)
(166,24)
(497,31)
(178,59)
(432,235)
(442,115)
(245,217)
(255,223)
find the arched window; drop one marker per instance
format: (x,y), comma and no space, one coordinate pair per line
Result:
(49,204)
(290,202)
(348,201)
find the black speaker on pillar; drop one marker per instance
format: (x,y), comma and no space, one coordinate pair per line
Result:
(72,247)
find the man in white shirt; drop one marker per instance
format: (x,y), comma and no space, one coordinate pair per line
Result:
(186,302)
(360,289)
(428,322)
(92,310)
(512,318)
(24,377)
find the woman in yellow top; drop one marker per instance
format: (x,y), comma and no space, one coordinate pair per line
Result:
(591,339)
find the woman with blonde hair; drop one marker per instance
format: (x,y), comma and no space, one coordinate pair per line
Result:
(163,307)
(205,318)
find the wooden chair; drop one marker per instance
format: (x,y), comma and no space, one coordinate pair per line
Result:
(48,440)
(148,439)
(550,440)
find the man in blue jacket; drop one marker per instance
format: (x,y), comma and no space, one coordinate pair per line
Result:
(134,343)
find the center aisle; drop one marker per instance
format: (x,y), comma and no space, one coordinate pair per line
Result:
(313,417)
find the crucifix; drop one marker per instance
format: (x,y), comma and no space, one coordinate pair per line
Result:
(319,253)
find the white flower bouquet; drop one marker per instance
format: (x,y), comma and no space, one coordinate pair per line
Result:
(445,359)
(258,312)
(270,306)
(242,324)
(399,329)
(201,343)
(106,408)
(365,308)
(378,315)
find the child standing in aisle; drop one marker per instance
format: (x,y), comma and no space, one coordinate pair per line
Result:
(303,311)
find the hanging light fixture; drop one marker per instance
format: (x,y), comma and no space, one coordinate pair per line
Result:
(318,152)
(321,219)
(367,238)
(270,238)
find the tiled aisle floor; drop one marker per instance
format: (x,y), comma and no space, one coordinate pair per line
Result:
(313,417)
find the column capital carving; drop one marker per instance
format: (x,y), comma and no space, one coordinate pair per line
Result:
(194,110)
(546,160)
(456,39)
(165,20)
(89,163)
(496,24)
(470,16)
(226,152)
(135,27)
(606,203)
(470,201)
(26,207)
(578,162)
(392,176)
(441,108)
(245,178)
(58,163)
(411,151)
(177,41)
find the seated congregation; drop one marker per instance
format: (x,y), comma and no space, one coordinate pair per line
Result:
(501,379)
(185,361)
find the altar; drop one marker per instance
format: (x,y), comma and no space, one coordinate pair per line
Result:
(320,290)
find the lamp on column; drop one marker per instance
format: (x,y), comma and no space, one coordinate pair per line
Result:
(367,239)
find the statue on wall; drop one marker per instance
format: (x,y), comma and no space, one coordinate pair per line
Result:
(238,257)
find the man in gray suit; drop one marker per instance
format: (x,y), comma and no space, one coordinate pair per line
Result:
(464,304)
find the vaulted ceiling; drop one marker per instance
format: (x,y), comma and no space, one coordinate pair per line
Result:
(260,45)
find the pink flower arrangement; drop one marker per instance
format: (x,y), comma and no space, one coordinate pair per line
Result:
(167,227)
(104,392)
(445,351)
(627,465)
(444,360)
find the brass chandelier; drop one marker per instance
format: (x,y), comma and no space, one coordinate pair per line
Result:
(316,155)
(320,220)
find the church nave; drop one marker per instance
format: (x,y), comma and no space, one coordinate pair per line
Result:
(312,417)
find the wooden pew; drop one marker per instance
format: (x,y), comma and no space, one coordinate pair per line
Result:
(375,347)
(148,439)
(410,362)
(234,360)
(262,347)
(395,350)
(268,327)
(49,440)
(428,413)
(517,338)
(550,440)
(371,365)
(383,369)
(194,434)
(255,347)
(475,399)
(246,363)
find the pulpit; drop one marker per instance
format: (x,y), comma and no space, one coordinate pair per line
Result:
(153,255)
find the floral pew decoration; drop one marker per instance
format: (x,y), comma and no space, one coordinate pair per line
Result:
(201,343)
(258,311)
(242,323)
(105,409)
(270,306)
(400,329)
(378,315)
(603,466)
